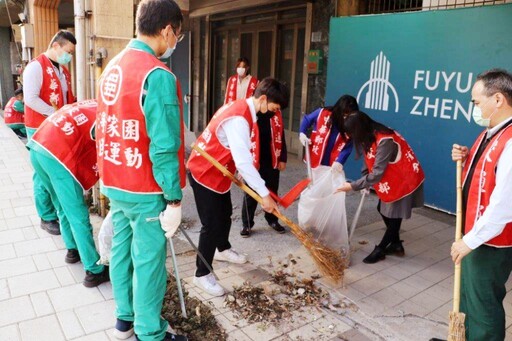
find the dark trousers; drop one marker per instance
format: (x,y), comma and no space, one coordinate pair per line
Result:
(392,234)
(271,177)
(214,211)
(485,270)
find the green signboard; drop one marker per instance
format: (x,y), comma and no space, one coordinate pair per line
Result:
(414,72)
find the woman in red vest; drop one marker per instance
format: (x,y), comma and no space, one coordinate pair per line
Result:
(327,146)
(393,170)
(14,114)
(241,85)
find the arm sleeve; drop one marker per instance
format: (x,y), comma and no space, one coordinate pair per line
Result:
(33,76)
(309,120)
(284,150)
(161,108)
(239,141)
(499,212)
(345,152)
(386,152)
(19,106)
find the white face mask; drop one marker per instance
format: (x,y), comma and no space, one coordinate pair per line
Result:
(240,71)
(170,50)
(478,116)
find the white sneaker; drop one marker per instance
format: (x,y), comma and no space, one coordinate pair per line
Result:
(230,255)
(209,284)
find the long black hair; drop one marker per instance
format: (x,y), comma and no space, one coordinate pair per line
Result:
(362,129)
(345,105)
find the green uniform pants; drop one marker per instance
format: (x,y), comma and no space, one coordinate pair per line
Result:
(137,266)
(67,196)
(18,128)
(44,205)
(484,273)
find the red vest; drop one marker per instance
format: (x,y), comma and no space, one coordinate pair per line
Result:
(50,93)
(403,176)
(484,181)
(121,134)
(68,136)
(12,116)
(232,85)
(320,138)
(276,131)
(203,171)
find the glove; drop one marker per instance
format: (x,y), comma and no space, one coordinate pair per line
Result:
(304,139)
(170,220)
(336,167)
(365,191)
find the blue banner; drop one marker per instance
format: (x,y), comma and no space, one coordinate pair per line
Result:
(414,72)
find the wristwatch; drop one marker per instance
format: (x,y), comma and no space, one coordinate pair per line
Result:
(173,202)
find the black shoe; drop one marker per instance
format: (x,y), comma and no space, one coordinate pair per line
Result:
(436,339)
(376,255)
(123,329)
(72,256)
(277,227)
(246,232)
(395,249)
(93,280)
(170,337)
(51,226)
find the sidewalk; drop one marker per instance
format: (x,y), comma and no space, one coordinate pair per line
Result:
(42,297)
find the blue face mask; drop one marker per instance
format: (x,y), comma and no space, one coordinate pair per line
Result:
(64,58)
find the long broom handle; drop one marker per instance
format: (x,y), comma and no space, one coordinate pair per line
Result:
(243,186)
(458,236)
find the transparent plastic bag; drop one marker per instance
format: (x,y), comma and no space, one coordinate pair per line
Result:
(105,239)
(322,213)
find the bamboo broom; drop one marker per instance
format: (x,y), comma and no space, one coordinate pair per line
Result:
(456,329)
(331,262)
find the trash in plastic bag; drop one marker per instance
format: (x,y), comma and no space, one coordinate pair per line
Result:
(105,239)
(322,213)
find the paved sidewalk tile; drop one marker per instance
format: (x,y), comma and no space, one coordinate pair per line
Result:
(43,328)
(10,333)
(16,310)
(70,324)
(4,290)
(41,303)
(17,222)
(7,252)
(41,261)
(96,317)
(101,336)
(11,236)
(32,247)
(16,266)
(73,296)
(64,276)
(33,282)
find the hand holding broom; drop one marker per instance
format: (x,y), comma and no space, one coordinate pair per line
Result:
(330,262)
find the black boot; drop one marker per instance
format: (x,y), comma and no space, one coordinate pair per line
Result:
(395,249)
(51,226)
(246,232)
(93,280)
(72,256)
(376,255)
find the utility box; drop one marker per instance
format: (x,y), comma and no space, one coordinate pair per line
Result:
(315,61)
(27,36)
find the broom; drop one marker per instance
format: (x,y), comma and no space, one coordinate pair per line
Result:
(330,262)
(456,329)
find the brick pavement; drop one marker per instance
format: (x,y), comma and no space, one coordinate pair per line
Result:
(42,298)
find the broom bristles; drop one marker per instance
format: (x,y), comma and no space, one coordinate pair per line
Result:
(456,328)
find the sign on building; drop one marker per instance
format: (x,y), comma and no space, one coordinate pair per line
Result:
(414,72)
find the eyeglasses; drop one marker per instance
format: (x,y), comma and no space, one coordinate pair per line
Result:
(179,37)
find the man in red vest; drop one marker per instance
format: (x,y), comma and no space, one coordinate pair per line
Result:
(486,248)
(141,166)
(47,87)
(63,154)
(14,114)
(231,138)
(241,85)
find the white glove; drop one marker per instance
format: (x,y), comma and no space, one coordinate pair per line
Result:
(170,219)
(336,167)
(304,139)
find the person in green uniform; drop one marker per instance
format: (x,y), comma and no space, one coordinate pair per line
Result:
(138,136)
(18,105)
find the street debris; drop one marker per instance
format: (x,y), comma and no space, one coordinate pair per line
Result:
(200,325)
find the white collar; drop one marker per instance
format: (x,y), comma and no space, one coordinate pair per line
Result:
(493,130)
(250,103)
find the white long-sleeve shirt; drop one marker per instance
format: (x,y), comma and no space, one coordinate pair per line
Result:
(32,83)
(499,212)
(235,134)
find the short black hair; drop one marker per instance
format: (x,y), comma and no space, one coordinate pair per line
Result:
(154,15)
(243,59)
(275,91)
(497,80)
(346,104)
(62,37)
(18,91)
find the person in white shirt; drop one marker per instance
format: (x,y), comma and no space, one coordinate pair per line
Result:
(231,138)
(241,85)
(485,251)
